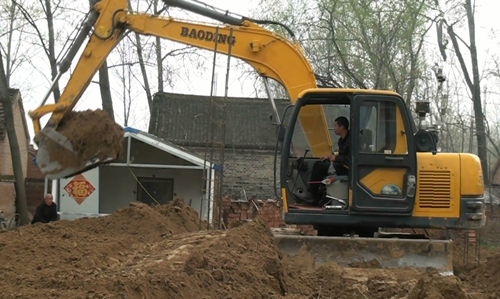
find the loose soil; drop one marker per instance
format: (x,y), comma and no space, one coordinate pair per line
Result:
(146,251)
(92,134)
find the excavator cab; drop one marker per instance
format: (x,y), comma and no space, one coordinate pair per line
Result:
(379,190)
(382,162)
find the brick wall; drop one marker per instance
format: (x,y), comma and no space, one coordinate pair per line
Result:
(32,170)
(249,170)
(5,157)
(269,211)
(34,183)
(7,198)
(7,188)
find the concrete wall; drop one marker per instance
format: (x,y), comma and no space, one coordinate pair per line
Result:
(118,187)
(249,170)
(7,188)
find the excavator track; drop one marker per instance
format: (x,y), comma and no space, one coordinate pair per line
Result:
(377,252)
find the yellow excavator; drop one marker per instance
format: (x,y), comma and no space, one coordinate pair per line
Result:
(396,177)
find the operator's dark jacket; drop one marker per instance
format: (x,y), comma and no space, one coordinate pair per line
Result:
(45,213)
(342,160)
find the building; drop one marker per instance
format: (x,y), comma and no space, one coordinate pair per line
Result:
(7,181)
(250,138)
(152,170)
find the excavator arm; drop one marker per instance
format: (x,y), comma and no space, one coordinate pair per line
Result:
(271,55)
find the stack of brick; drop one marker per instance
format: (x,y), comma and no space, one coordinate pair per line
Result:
(234,212)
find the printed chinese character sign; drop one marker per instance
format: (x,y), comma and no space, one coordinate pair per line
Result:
(79,188)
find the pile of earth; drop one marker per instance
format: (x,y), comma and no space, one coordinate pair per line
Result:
(159,252)
(92,134)
(485,276)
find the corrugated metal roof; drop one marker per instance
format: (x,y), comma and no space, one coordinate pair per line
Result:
(184,119)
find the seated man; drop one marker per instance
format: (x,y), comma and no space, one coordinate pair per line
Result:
(46,211)
(329,165)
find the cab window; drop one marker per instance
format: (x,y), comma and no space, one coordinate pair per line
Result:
(381,128)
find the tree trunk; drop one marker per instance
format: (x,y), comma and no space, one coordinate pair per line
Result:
(107,101)
(474,87)
(51,50)
(159,59)
(476,95)
(21,204)
(149,97)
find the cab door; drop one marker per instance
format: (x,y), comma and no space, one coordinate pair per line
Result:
(383,171)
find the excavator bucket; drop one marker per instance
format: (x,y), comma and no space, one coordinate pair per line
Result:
(83,140)
(56,156)
(370,252)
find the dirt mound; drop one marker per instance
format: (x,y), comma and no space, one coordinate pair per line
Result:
(60,256)
(437,287)
(485,276)
(332,281)
(92,134)
(145,222)
(158,252)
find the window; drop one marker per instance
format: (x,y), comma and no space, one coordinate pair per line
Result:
(381,128)
(331,112)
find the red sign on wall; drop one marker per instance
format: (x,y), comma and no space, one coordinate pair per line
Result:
(79,188)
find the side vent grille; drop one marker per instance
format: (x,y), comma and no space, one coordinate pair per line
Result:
(434,189)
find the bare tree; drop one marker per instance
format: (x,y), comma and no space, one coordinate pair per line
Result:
(104,87)
(54,12)
(473,82)
(21,203)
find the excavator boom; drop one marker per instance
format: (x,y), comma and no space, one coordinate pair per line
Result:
(271,55)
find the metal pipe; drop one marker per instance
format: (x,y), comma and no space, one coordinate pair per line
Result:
(271,99)
(205,11)
(129,141)
(210,129)
(46,187)
(223,131)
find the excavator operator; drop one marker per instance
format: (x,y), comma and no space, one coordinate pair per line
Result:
(331,165)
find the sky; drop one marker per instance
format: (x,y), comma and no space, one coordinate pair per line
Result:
(91,99)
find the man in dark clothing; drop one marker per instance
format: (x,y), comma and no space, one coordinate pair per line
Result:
(329,165)
(46,211)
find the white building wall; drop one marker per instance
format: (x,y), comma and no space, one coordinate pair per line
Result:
(119,187)
(80,194)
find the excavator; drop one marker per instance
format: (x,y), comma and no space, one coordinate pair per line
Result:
(396,177)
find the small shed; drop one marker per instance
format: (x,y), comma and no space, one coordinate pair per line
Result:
(152,170)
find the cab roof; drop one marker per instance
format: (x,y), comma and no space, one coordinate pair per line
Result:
(346,90)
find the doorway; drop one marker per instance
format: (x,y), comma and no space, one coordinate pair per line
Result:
(161,189)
